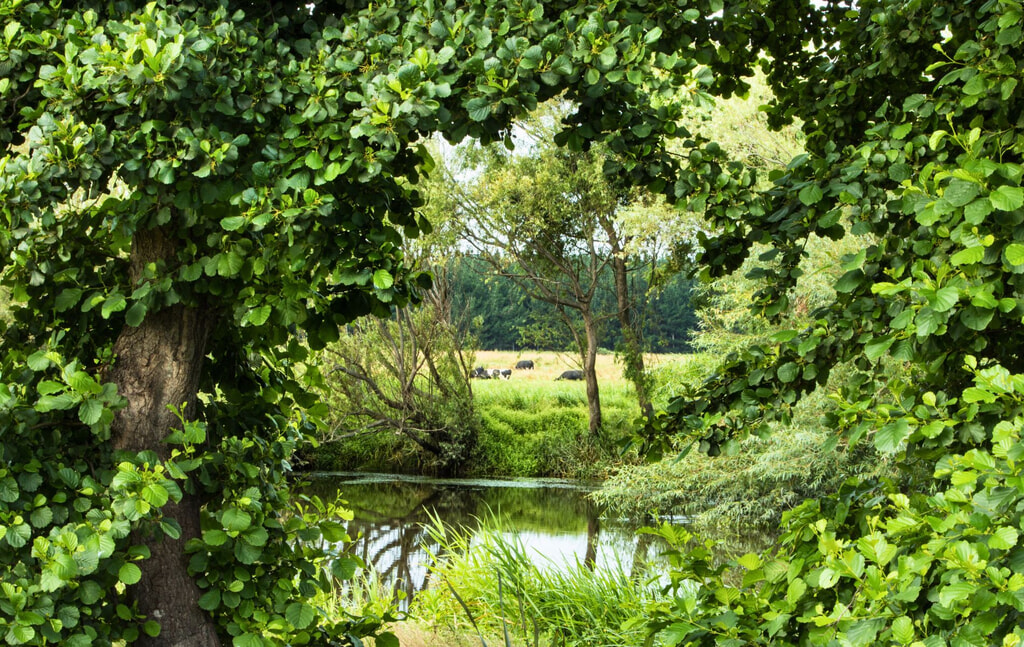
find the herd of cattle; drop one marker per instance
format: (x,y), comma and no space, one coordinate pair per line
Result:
(482,373)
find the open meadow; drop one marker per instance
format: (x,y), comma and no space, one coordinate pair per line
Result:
(548,365)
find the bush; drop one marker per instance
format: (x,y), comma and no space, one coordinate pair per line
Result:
(752,488)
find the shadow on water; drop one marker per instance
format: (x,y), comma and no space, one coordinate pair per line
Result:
(553,518)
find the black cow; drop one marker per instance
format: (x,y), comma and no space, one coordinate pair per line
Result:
(525,364)
(480,373)
(570,375)
(506,373)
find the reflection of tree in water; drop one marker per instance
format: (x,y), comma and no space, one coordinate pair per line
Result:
(390,518)
(396,545)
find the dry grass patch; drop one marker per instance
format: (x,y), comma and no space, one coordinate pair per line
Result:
(548,364)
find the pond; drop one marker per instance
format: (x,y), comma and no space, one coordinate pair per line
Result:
(554,519)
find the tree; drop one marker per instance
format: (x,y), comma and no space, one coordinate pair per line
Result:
(548,221)
(407,374)
(183,186)
(911,113)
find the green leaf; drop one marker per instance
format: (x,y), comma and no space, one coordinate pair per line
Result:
(1003,538)
(333,531)
(976,394)
(232,223)
(17,536)
(795,590)
(38,361)
(788,372)
(850,281)
(1007,198)
(977,318)
(299,614)
(247,640)
(229,264)
(944,299)
(960,192)
(975,212)
(20,634)
(113,303)
(236,520)
(90,411)
(90,592)
(258,316)
(210,600)
(135,314)
(1014,254)
(344,568)
(313,161)
(889,437)
(68,299)
(863,632)
(386,639)
(811,194)
(903,630)
(41,517)
(878,346)
(478,109)
(955,592)
(151,628)
(382,280)
(155,494)
(129,574)
(968,256)
(9,489)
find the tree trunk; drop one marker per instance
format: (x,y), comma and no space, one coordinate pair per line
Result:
(633,352)
(158,364)
(590,373)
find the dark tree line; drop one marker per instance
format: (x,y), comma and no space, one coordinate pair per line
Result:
(505,318)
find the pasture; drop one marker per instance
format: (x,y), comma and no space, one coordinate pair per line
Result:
(549,364)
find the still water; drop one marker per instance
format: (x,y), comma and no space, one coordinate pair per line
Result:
(553,518)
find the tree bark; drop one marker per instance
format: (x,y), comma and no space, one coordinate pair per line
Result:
(590,373)
(633,353)
(158,364)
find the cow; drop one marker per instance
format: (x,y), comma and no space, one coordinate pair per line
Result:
(506,373)
(570,375)
(524,364)
(480,373)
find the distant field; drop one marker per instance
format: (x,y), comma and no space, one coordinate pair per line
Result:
(548,365)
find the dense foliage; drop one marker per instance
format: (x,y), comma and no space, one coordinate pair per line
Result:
(183,187)
(912,119)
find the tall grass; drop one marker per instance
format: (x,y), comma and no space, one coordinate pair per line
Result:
(541,429)
(568,605)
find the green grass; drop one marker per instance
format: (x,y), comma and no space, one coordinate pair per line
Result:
(529,428)
(542,429)
(565,605)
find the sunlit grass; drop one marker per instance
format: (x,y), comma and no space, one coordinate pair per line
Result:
(539,603)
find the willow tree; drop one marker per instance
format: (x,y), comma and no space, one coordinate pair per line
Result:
(183,186)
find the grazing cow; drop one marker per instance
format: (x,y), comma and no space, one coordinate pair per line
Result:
(524,364)
(506,373)
(480,373)
(570,375)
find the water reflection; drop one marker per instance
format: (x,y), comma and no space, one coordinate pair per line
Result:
(553,518)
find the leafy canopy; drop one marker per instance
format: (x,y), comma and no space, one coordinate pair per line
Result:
(256,164)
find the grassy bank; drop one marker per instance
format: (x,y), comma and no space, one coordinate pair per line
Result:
(531,424)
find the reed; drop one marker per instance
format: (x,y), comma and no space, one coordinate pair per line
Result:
(487,582)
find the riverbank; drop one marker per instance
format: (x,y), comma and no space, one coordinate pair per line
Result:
(529,425)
